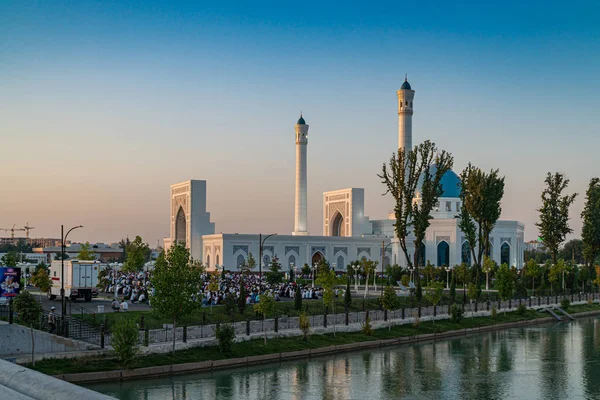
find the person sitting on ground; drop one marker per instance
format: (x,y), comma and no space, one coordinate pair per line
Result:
(115,305)
(142,297)
(124,306)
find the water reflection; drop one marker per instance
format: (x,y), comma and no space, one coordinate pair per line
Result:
(556,361)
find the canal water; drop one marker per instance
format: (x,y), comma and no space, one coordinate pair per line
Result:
(554,361)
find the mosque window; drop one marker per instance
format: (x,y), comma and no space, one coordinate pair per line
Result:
(411,103)
(448,206)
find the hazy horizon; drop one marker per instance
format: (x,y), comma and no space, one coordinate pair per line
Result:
(104,105)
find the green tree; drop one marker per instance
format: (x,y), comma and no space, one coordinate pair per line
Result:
(533,270)
(86,253)
(572,250)
(368,267)
(242,298)
(176,280)
(556,273)
(505,283)
(422,167)
(328,280)
(489,266)
(304,322)
(554,213)
(225,335)
(481,196)
(389,301)
(298,299)
(590,232)
(453,286)
(10,259)
(306,269)
(29,312)
(138,253)
(41,280)
(348,295)
(274,275)
(125,340)
(434,294)
(265,307)
(429,272)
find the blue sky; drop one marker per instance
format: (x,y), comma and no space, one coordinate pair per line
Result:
(105,104)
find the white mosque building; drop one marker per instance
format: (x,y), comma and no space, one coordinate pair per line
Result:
(348,234)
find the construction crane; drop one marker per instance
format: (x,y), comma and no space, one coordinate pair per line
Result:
(12,230)
(27,228)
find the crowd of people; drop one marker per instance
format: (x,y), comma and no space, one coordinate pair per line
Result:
(137,287)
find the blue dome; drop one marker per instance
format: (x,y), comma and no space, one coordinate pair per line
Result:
(450,184)
(301,120)
(405,85)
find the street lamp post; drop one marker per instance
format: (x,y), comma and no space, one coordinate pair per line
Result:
(261,242)
(314,269)
(411,269)
(62,266)
(447,277)
(356,268)
(295,268)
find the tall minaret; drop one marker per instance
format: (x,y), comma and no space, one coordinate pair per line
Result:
(405,112)
(300,214)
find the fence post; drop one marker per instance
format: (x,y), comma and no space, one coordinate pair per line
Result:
(147,337)
(385,316)
(247,327)
(475,306)
(487,305)
(65,328)
(102,336)
(419,312)
(434,310)
(142,321)
(347,318)
(204,316)
(185,333)
(276,324)
(530,302)
(324,320)
(402,312)
(10,311)
(539,301)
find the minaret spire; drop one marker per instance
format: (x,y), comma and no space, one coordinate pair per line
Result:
(300,204)
(405,112)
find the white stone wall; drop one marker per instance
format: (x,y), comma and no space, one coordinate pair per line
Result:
(350,203)
(300,249)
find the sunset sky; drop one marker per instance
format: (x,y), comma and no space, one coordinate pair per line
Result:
(105,104)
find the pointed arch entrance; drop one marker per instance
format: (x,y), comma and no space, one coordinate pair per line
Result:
(316,258)
(443,254)
(337,226)
(505,254)
(180,226)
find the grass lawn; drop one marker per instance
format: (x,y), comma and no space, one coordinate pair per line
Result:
(256,347)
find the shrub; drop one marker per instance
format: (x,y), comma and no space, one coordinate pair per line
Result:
(456,313)
(298,299)
(230,303)
(417,321)
(521,309)
(565,303)
(493,313)
(304,323)
(125,340)
(367,329)
(225,335)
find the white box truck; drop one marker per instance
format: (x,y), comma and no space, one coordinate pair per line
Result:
(81,278)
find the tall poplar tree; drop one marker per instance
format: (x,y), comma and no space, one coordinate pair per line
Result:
(176,279)
(424,165)
(554,213)
(590,233)
(481,195)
